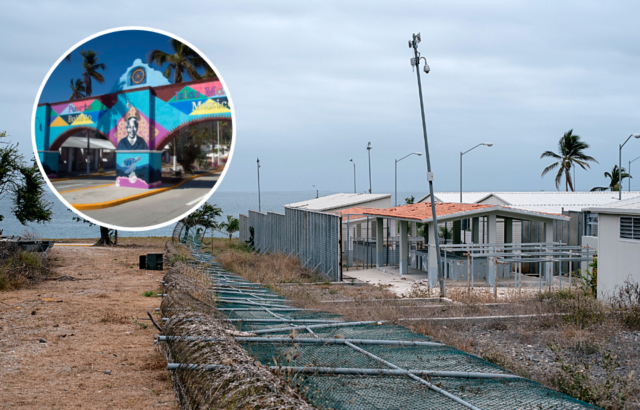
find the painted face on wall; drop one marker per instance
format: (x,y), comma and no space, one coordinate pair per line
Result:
(132,127)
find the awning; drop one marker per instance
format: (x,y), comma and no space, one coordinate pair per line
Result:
(94,143)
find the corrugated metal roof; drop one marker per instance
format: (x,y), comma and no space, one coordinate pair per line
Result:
(467,197)
(94,143)
(334,201)
(541,201)
(626,206)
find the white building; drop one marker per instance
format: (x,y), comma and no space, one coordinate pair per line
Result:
(556,202)
(336,202)
(618,243)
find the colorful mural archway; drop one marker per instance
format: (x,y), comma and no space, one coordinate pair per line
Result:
(141,115)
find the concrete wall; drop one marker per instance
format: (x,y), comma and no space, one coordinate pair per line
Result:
(618,259)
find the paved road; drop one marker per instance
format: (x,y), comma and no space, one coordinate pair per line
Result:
(80,183)
(158,208)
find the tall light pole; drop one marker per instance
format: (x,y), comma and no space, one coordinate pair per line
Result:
(620,164)
(416,62)
(259,204)
(398,160)
(488,144)
(369,152)
(629,170)
(354,175)
(316,191)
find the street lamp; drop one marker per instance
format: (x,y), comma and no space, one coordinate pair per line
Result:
(354,175)
(629,170)
(416,62)
(259,205)
(316,191)
(488,144)
(620,164)
(369,153)
(398,160)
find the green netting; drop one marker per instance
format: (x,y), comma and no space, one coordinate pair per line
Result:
(330,391)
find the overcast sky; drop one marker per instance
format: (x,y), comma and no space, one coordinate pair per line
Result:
(313,82)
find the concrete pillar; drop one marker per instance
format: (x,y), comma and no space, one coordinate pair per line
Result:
(475,230)
(404,248)
(372,228)
(393,227)
(548,237)
(508,230)
(414,229)
(457,227)
(380,242)
(359,230)
(432,269)
(69,159)
(492,222)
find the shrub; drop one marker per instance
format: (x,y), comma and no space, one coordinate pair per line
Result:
(575,379)
(626,300)
(580,309)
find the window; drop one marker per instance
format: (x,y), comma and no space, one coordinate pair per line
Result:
(629,228)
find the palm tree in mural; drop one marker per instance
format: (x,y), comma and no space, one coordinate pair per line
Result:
(183,59)
(613,176)
(570,152)
(77,89)
(208,72)
(91,66)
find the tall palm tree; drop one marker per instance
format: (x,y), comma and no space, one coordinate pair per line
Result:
(183,59)
(77,89)
(614,183)
(91,66)
(208,72)
(570,152)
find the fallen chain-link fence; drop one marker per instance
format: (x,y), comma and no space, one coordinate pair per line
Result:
(333,363)
(238,381)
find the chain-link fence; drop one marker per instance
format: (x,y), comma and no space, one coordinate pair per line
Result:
(313,237)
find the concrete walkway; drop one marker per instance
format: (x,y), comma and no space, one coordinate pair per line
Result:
(389,277)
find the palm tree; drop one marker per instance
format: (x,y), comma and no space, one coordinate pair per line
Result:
(614,182)
(208,72)
(183,59)
(570,152)
(232,225)
(77,89)
(445,233)
(91,66)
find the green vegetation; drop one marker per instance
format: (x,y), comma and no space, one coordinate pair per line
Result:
(570,152)
(77,90)
(24,183)
(91,66)
(574,378)
(614,183)
(20,268)
(231,226)
(183,59)
(149,294)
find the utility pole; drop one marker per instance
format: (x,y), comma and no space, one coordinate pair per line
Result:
(259,204)
(416,62)
(369,153)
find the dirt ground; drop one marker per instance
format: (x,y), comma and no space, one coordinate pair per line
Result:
(86,343)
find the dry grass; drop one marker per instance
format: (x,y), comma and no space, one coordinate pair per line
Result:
(268,269)
(114,317)
(19,269)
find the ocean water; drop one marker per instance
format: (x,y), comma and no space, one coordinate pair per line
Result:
(232,203)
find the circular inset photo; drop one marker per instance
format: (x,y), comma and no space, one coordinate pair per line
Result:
(133,128)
